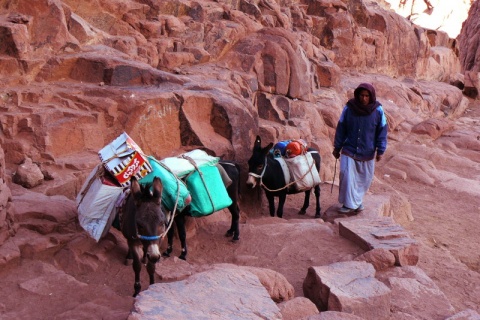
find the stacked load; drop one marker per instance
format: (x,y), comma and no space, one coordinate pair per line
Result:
(191,179)
(175,195)
(203,179)
(297,164)
(100,195)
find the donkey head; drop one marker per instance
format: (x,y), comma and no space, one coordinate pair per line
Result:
(257,162)
(146,217)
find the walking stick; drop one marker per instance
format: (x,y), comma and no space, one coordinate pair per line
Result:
(334,172)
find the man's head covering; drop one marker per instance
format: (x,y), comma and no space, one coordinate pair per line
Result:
(357,106)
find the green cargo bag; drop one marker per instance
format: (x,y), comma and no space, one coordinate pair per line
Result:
(174,189)
(208,191)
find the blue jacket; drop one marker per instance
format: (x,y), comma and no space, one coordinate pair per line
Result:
(359,137)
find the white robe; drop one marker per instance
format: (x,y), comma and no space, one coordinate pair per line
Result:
(355,180)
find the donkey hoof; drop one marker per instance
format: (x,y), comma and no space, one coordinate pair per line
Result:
(229,233)
(235,239)
(183,257)
(302,212)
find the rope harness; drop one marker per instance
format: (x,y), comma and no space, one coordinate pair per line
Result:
(286,185)
(202,178)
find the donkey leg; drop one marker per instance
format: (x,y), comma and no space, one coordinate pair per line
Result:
(306,203)
(318,208)
(271,204)
(151,271)
(170,234)
(182,234)
(234,227)
(137,268)
(281,203)
(128,258)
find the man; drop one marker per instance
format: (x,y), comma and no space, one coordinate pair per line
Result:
(360,138)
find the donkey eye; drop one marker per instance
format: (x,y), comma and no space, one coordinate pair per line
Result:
(260,167)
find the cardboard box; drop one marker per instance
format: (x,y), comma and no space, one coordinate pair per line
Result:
(123,158)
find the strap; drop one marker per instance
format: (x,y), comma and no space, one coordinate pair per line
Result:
(202,178)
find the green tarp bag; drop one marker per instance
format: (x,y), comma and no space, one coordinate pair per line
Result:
(174,189)
(208,191)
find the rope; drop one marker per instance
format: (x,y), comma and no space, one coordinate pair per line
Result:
(291,183)
(201,177)
(174,211)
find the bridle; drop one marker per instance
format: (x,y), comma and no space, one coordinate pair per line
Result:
(149,238)
(260,176)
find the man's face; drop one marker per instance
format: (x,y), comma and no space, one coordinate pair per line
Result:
(364,97)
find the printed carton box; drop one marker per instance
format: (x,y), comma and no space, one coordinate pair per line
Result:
(123,158)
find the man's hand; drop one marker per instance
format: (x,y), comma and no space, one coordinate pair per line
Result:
(336,153)
(379,157)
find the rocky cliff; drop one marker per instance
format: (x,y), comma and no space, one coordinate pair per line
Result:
(179,75)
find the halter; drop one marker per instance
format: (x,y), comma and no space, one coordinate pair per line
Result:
(287,184)
(261,174)
(148,238)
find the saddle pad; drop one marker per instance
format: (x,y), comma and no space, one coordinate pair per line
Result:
(207,190)
(303,171)
(174,189)
(286,171)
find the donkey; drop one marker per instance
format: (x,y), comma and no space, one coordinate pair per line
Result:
(265,171)
(143,225)
(233,171)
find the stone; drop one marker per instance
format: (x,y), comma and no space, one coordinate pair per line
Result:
(28,174)
(382,233)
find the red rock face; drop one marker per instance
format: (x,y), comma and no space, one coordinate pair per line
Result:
(470,40)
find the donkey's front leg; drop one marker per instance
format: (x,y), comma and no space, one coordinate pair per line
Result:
(271,203)
(137,253)
(151,271)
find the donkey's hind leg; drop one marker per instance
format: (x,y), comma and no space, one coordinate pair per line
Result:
(170,234)
(128,258)
(318,208)
(182,234)
(234,230)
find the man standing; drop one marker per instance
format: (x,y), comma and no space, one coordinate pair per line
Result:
(360,138)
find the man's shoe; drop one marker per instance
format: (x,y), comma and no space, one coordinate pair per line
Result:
(345,210)
(360,208)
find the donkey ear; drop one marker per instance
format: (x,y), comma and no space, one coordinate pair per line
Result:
(266,150)
(157,190)
(134,185)
(258,143)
